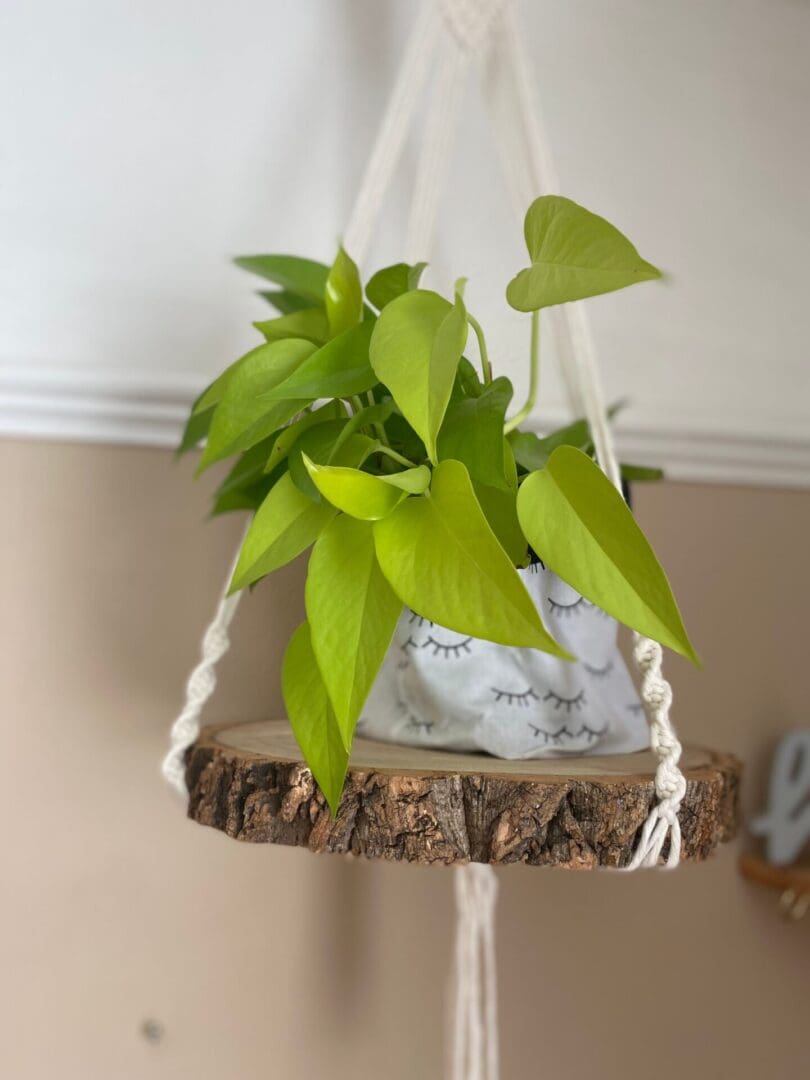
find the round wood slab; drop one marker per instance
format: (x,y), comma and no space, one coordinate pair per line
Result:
(431,806)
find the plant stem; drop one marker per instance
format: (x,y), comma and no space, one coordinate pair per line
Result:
(534,377)
(486,367)
(357,404)
(397,457)
(377,428)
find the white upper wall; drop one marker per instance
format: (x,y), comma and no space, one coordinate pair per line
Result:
(143,144)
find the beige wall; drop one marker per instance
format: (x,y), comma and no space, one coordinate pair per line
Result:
(264,962)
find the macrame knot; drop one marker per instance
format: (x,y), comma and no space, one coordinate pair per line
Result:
(470,21)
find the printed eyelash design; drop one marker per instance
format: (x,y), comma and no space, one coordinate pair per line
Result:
(565,609)
(413,721)
(418,619)
(410,644)
(446,651)
(599,672)
(420,725)
(523,700)
(557,737)
(591,733)
(566,703)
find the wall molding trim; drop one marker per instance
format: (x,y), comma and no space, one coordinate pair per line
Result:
(98,405)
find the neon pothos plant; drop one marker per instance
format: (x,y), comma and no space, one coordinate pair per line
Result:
(361,430)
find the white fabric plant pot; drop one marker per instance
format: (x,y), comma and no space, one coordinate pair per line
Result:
(441,689)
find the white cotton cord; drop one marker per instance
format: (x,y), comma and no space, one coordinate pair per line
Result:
(475,1013)
(392,133)
(434,157)
(578,352)
(670,783)
(200,686)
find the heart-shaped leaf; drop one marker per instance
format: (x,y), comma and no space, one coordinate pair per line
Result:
(286,523)
(582,529)
(310,324)
(344,295)
(472,433)
(363,495)
(443,560)
(340,368)
(352,613)
(415,349)
(248,412)
(574,254)
(304,277)
(392,281)
(312,718)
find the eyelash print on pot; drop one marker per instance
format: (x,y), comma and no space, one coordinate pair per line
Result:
(418,619)
(557,737)
(446,651)
(566,703)
(523,699)
(599,672)
(565,609)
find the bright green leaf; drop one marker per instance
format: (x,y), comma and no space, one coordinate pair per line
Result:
(286,302)
(287,438)
(344,295)
(352,614)
(250,468)
(195,430)
(414,481)
(247,412)
(574,254)
(533,451)
(641,473)
(304,277)
(310,324)
(500,509)
(365,418)
(362,495)
(286,523)
(582,529)
(315,444)
(392,281)
(467,383)
(340,368)
(472,433)
(415,349)
(443,560)
(312,718)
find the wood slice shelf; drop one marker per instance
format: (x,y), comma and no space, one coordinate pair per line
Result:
(431,806)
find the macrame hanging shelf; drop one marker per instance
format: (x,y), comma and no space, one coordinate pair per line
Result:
(644,809)
(430,806)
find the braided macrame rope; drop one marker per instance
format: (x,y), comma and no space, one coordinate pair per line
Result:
(200,686)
